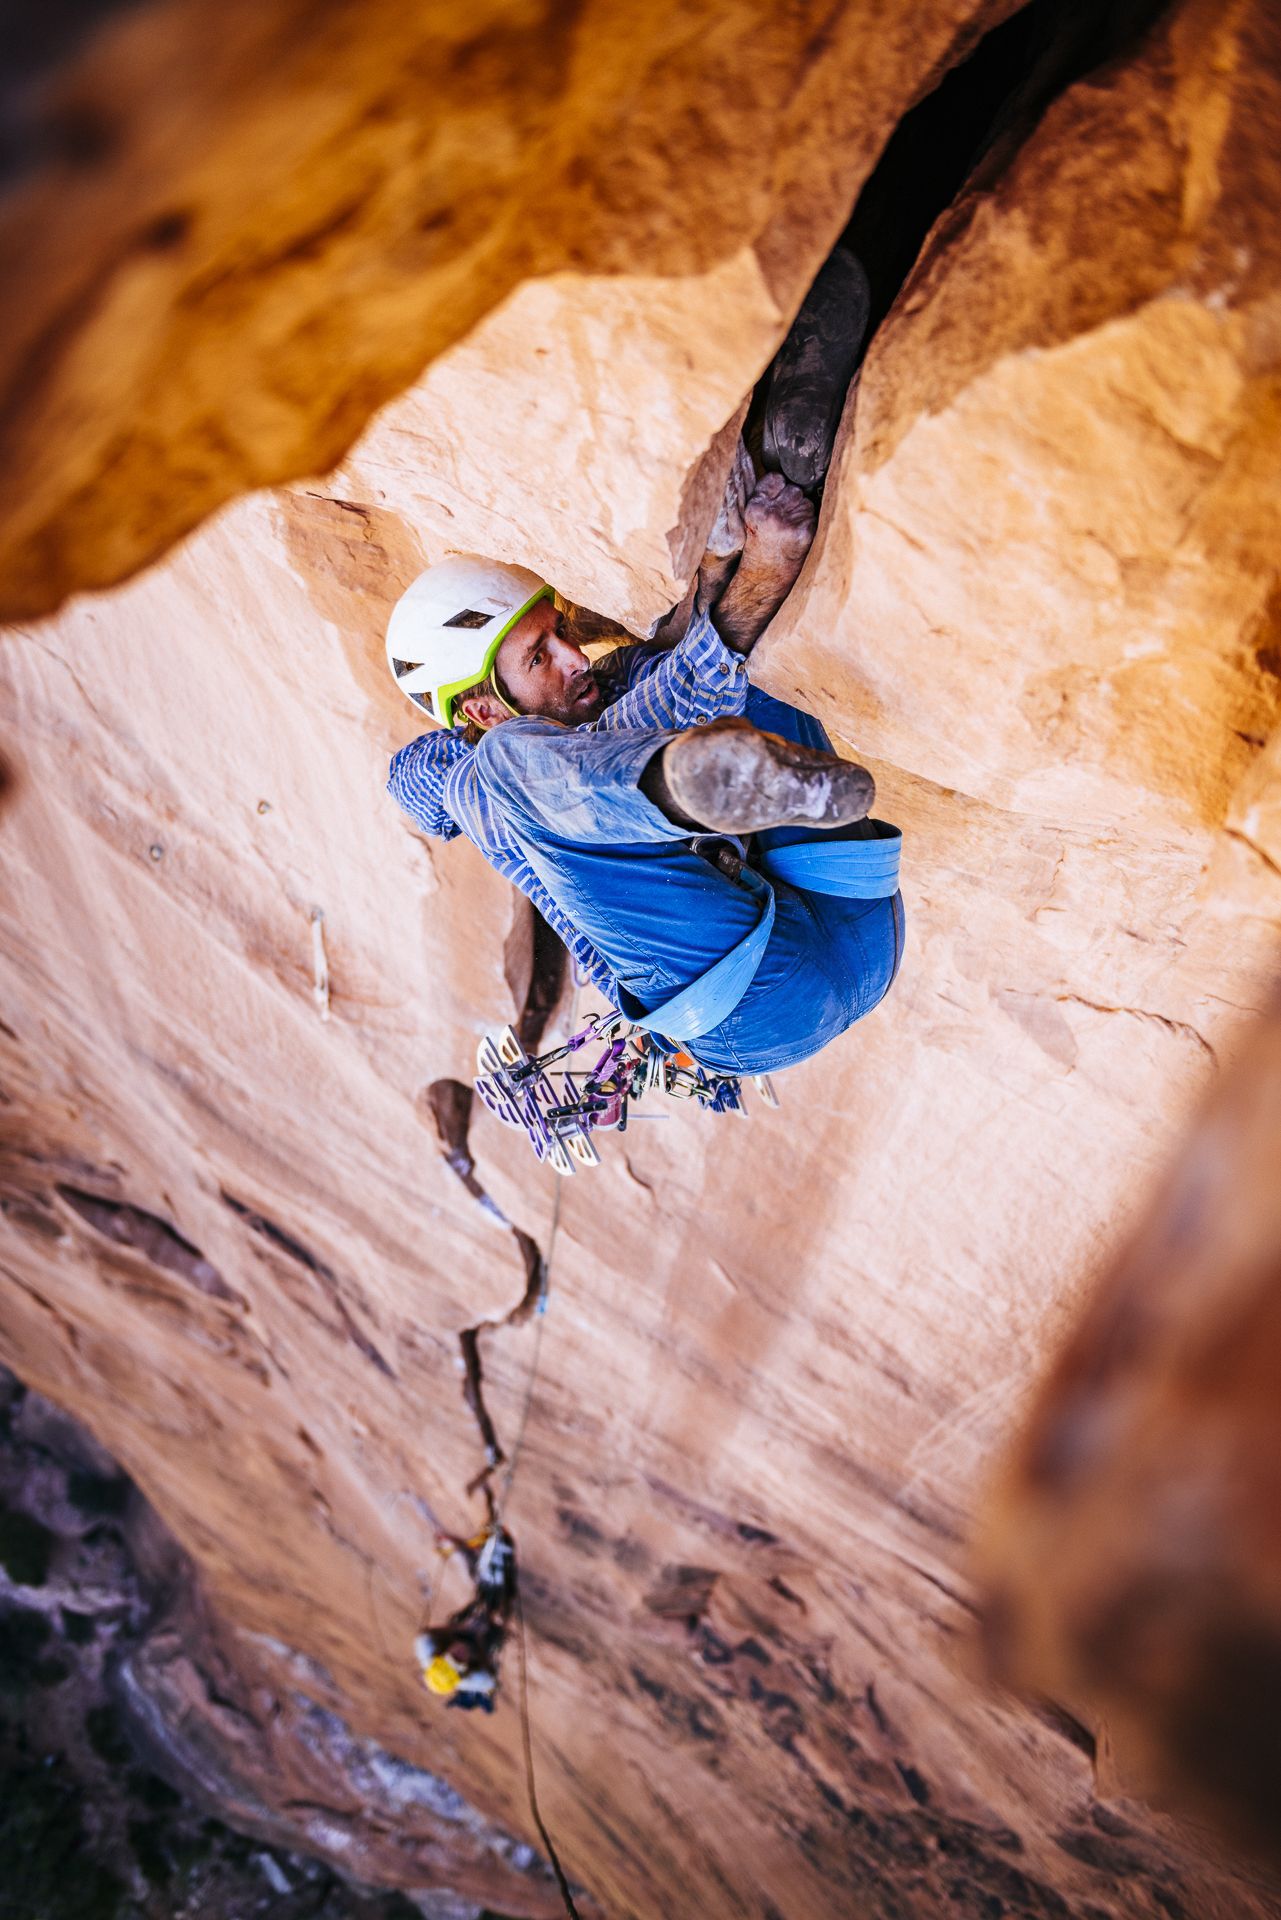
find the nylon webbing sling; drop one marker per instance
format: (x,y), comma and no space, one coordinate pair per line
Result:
(854,869)
(711,998)
(857,869)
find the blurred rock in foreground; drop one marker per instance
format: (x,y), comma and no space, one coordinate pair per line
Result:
(1132,1559)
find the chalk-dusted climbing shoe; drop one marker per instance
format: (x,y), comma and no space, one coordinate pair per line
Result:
(732,778)
(813,369)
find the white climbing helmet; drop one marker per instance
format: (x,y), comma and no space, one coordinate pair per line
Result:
(446,628)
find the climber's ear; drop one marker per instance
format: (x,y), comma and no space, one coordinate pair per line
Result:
(484,710)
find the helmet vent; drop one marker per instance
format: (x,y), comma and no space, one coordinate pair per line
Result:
(469,618)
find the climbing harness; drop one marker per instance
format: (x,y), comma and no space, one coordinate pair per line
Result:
(641,1051)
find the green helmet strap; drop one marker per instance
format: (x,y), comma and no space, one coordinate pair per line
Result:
(445,696)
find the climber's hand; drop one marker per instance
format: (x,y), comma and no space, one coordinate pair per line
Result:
(779,531)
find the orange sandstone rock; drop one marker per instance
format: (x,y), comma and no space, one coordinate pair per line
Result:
(229,234)
(779,1356)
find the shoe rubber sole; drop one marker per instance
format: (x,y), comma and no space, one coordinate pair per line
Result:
(740,780)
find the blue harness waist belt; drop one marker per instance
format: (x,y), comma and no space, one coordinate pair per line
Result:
(854,869)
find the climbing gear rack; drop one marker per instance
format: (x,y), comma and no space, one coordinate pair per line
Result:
(538,1095)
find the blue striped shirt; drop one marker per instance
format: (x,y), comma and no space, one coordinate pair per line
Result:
(434,780)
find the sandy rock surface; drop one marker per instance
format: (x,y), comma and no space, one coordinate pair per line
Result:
(778,1356)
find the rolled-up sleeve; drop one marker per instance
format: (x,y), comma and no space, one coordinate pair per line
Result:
(697,680)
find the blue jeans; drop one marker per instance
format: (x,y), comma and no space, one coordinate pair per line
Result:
(661,915)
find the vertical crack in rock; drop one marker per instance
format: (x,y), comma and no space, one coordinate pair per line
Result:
(979,113)
(536,967)
(450,1105)
(325,1277)
(966,132)
(474,1397)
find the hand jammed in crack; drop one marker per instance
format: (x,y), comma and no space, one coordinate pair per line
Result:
(768,525)
(778,531)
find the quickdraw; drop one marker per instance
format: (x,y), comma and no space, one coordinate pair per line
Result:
(559,1120)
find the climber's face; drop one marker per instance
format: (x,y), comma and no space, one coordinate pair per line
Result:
(545,673)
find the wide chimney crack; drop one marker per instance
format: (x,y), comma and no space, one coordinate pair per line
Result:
(982,110)
(965,134)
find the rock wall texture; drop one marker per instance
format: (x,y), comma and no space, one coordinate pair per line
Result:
(230,234)
(778,1357)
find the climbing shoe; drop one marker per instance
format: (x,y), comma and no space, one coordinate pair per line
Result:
(732,778)
(812,371)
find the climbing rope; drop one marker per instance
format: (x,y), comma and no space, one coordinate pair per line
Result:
(544,1294)
(500,1504)
(559,1122)
(497,1504)
(531,1788)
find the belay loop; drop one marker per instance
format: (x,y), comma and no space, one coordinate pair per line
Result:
(522,1091)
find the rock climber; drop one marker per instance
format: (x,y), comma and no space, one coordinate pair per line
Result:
(703,853)
(460,1659)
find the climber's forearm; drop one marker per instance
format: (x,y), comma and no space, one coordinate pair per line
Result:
(706,588)
(714,574)
(779,522)
(741,617)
